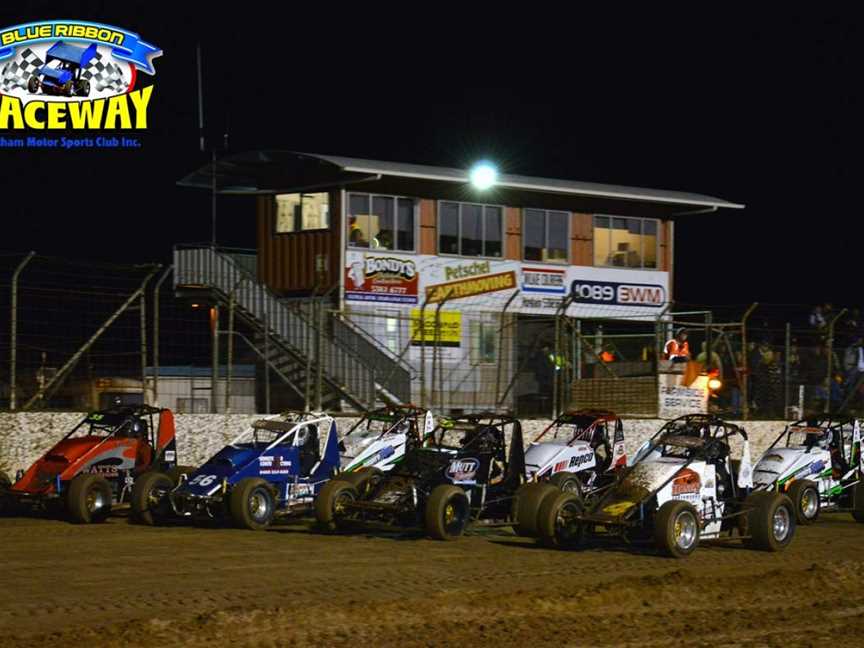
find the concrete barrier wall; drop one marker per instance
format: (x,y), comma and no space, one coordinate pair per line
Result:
(24,437)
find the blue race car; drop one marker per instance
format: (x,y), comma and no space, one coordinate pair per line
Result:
(61,74)
(275,468)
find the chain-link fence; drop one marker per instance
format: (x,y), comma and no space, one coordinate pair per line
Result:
(79,335)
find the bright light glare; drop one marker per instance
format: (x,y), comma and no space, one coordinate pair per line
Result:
(714,384)
(483,175)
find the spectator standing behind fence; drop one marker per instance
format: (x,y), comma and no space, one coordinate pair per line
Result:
(716,362)
(853,364)
(677,349)
(817,318)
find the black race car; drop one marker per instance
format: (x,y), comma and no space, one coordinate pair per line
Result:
(467,471)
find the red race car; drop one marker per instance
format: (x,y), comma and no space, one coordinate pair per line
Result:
(95,466)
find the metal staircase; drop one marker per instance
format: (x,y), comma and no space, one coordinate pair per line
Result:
(331,355)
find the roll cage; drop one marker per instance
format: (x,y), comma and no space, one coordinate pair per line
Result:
(393,419)
(116,422)
(589,425)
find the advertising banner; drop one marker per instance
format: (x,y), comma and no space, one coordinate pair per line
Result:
(449,334)
(380,278)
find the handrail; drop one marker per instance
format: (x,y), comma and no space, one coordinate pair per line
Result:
(344,366)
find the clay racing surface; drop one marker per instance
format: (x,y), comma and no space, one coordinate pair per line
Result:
(122,585)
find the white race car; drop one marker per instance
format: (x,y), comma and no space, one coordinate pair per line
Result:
(683,489)
(576,450)
(579,452)
(380,439)
(817,463)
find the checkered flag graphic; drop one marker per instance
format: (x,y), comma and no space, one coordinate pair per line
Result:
(104,75)
(16,73)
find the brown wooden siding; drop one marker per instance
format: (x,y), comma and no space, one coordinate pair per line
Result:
(513,233)
(428,227)
(582,239)
(286,262)
(667,247)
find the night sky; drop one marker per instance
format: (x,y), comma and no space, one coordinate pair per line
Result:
(763,110)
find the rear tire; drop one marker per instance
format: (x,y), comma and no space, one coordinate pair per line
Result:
(89,499)
(677,529)
(526,507)
(147,507)
(447,512)
(330,504)
(770,522)
(567,482)
(557,528)
(364,480)
(858,501)
(251,504)
(805,496)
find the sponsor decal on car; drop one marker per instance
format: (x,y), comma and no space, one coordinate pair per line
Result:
(576,461)
(686,483)
(463,471)
(273,465)
(817,467)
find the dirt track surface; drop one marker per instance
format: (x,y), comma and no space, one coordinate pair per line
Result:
(122,585)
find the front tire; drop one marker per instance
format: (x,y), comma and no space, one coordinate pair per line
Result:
(251,504)
(677,529)
(805,496)
(557,520)
(83,88)
(331,503)
(33,84)
(770,521)
(149,498)
(89,499)
(526,507)
(447,512)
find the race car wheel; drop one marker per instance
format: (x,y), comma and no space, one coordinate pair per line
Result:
(676,529)
(150,498)
(89,499)
(558,522)
(331,503)
(526,507)
(33,84)
(83,88)
(858,502)
(251,504)
(770,521)
(567,482)
(363,480)
(447,512)
(805,496)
